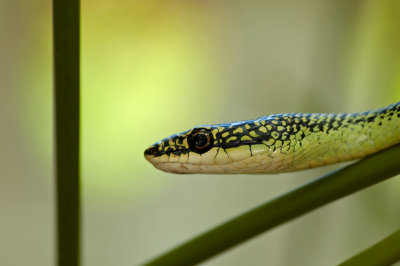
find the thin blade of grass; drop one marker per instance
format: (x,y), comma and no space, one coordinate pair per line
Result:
(385,252)
(66,104)
(338,184)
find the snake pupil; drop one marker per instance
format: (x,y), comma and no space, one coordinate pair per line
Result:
(201,140)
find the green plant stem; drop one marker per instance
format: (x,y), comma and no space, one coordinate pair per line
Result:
(66,102)
(385,252)
(333,186)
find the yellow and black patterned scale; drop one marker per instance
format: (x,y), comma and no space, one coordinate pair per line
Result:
(277,143)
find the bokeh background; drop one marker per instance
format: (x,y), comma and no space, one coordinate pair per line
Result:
(154,68)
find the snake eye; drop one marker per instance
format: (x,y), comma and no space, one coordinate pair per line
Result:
(200,140)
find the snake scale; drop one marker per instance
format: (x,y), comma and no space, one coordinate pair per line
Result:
(277,143)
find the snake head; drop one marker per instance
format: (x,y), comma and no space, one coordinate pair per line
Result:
(221,148)
(178,153)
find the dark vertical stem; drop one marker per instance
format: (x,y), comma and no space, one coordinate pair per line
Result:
(66,97)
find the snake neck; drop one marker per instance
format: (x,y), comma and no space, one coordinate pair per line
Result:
(302,141)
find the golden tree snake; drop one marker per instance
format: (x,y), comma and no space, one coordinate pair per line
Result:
(277,143)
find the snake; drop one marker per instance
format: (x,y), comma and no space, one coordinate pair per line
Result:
(277,143)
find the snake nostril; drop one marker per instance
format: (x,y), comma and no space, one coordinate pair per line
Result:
(151,151)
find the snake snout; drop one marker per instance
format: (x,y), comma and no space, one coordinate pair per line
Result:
(152,150)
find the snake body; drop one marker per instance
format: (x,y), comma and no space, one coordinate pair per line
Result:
(277,143)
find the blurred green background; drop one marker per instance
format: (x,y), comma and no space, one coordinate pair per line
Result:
(154,68)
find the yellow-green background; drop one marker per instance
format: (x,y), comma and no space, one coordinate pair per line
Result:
(154,68)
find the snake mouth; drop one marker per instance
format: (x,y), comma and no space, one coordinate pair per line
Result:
(215,161)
